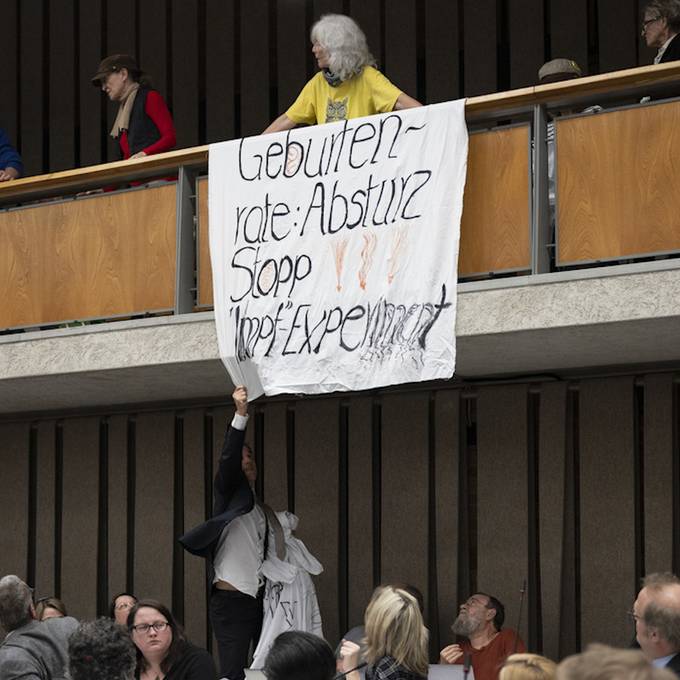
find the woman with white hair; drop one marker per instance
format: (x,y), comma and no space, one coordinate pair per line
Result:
(348,84)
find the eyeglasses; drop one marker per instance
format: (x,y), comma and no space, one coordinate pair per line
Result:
(633,616)
(647,22)
(142,628)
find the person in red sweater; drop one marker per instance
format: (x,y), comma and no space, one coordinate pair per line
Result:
(143,125)
(487,643)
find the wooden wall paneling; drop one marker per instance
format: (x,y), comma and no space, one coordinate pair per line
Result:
(14,460)
(480,52)
(80,526)
(153,44)
(551,451)
(446,466)
(404,490)
(367,14)
(195,606)
(657,473)
(9,74)
(275,472)
(616,183)
(31,86)
(442,51)
(292,51)
(527,46)
(154,475)
(117,504)
(205,282)
(45,523)
(185,50)
(618,35)
(101,256)
(569,31)
(607,509)
(219,70)
(495,225)
(502,496)
(255,76)
(360,536)
(401,59)
(90,125)
(121,38)
(63,84)
(316,498)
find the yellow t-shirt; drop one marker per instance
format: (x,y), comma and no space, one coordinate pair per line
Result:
(362,95)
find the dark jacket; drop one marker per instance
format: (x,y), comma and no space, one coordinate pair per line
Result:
(672,52)
(674,665)
(233,498)
(142,131)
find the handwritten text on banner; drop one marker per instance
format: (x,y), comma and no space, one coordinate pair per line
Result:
(334,251)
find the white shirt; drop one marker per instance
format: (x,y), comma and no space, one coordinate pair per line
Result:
(240,548)
(662,661)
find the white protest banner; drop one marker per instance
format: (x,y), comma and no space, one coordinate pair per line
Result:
(334,251)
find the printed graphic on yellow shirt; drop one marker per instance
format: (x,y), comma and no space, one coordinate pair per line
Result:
(336,110)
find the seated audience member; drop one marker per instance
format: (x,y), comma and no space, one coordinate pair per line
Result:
(299,656)
(31,650)
(527,667)
(143,125)
(660,28)
(348,85)
(353,641)
(11,166)
(396,638)
(49,608)
(480,621)
(162,649)
(600,662)
(120,607)
(101,650)
(656,613)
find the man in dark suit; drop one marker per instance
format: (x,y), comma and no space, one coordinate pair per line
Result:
(660,29)
(233,541)
(32,650)
(656,613)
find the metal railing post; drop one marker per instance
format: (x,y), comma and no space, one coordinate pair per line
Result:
(540,213)
(184,272)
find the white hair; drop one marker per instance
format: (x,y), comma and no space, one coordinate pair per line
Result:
(15,603)
(345,43)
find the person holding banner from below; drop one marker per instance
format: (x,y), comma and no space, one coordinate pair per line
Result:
(348,84)
(236,540)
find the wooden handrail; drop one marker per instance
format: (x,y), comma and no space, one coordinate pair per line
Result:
(618,83)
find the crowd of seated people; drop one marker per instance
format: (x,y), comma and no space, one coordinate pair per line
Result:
(148,643)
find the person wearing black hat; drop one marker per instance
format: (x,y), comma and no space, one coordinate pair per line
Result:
(143,125)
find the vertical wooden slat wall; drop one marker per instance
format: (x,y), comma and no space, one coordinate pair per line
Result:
(570,487)
(228,68)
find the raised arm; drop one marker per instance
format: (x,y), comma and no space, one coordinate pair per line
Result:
(229,473)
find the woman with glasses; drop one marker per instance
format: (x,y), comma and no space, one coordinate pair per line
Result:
(120,607)
(162,649)
(660,28)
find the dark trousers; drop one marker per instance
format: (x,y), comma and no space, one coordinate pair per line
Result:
(236,620)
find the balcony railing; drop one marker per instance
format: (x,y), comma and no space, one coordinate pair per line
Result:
(71,255)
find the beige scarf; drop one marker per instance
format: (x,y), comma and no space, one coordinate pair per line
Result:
(122,121)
